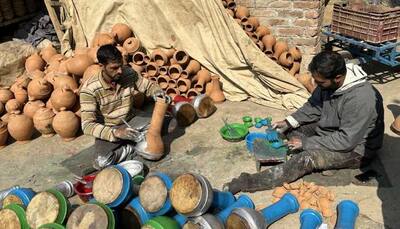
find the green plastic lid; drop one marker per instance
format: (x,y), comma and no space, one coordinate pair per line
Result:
(162,222)
(20,212)
(110,215)
(64,205)
(52,226)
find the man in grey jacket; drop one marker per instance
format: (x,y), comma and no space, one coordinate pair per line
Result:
(341,126)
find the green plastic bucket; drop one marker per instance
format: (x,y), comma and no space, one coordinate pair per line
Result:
(161,222)
(20,213)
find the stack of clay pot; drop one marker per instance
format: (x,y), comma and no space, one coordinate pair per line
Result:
(278,50)
(309,195)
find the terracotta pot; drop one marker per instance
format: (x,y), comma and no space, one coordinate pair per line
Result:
(2,108)
(153,79)
(20,127)
(253,36)
(90,71)
(184,113)
(286,59)
(172,92)
(78,64)
(152,69)
(204,106)
(56,58)
(124,54)
(279,48)
(42,121)
(92,53)
(121,32)
(192,68)
(163,81)
(5,94)
(39,89)
(31,107)
(159,57)
(307,82)
(63,98)
(296,53)
(230,12)
(208,88)
(260,45)
(21,81)
(54,64)
(231,4)
(34,62)
(139,58)
(66,124)
(138,69)
(62,68)
(36,74)
(295,68)
(217,95)
(13,105)
(202,77)
(101,39)
(21,95)
(269,42)
(47,53)
(395,127)
(184,85)
(262,30)
(175,71)
(5,118)
(172,83)
(81,51)
(192,93)
(254,22)
(181,57)
(247,27)
(3,134)
(61,81)
(163,70)
(131,45)
(242,11)
(49,105)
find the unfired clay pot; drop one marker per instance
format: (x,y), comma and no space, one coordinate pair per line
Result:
(175,71)
(39,89)
(49,105)
(92,53)
(231,4)
(20,127)
(21,81)
(34,62)
(307,82)
(101,39)
(295,68)
(3,134)
(81,51)
(20,94)
(159,57)
(262,30)
(208,88)
(121,32)
(63,98)
(61,81)
(181,57)
(54,63)
(163,70)
(163,81)
(43,121)
(192,69)
(131,45)
(286,59)
(279,48)
(78,64)
(90,71)
(47,53)
(296,53)
(172,83)
(5,118)
(13,105)
(217,95)
(139,58)
(62,68)
(172,92)
(248,28)
(254,22)
(36,74)
(31,107)
(242,11)
(5,94)
(152,69)
(202,77)
(269,42)
(184,85)
(192,93)
(66,124)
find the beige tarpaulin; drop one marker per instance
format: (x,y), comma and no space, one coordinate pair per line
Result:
(205,31)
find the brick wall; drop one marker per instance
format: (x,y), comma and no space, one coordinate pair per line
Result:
(296,21)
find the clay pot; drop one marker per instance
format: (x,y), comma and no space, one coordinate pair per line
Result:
(66,124)
(279,48)
(262,30)
(34,62)
(63,98)
(296,53)
(121,32)
(5,94)
(247,27)
(124,54)
(192,93)
(242,11)
(20,127)
(101,39)
(152,69)
(36,74)
(31,107)
(159,57)
(62,68)
(286,59)
(21,95)
(92,53)
(21,81)
(163,81)
(230,12)
(139,58)
(90,71)
(307,82)
(78,64)
(208,88)
(175,71)
(163,70)
(192,68)
(81,51)
(395,127)
(217,95)
(295,68)
(231,4)
(172,83)
(260,45)
(3,134)
(56,58)
(269,42)
(49,105)
(138,69)
(181,57)
(13,105)
(184,85)
(5,118)
(39,89)
(54,64)
(131,45)
(254,22)
(172,92)
(202,77)
(61,81)
(253,36)
(47,53)
(42,120)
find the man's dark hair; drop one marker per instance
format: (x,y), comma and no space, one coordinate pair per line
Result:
(328,64)
(108,54)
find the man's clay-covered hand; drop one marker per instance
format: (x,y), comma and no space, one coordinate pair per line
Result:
(126,133)
(281,126)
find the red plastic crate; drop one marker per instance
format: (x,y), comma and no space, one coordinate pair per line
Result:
(374,24)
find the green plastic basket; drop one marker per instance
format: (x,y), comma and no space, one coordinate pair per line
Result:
(20,212)
(64,205)
(240,132)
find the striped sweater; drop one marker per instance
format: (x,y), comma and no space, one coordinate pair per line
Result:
(103,107)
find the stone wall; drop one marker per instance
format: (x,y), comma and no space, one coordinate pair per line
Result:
(298,22)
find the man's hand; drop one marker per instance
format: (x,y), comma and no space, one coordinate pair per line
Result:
(126,133)
(295,143)
(281,126)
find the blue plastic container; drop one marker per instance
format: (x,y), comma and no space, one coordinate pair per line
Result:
(347,214)
(24,194)
(181,219)
(310,219)
(265,122)
(242,201)
(168,184)
(141,213)
(253,136)
(258,125)
(286,205)
(222,200)
(127,188)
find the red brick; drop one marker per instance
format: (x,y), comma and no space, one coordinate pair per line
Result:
(311,14)
(274,21)
(290,13)
(288,32)
(280,4)
(261,12)
(305,4)
(305,41)
(305,22)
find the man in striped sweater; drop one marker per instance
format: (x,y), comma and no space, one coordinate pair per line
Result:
(107,100)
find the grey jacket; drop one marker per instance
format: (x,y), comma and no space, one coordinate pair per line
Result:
(349,119)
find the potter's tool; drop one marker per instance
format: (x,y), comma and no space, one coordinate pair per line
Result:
(231,131)
(126,123)
(265,152)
